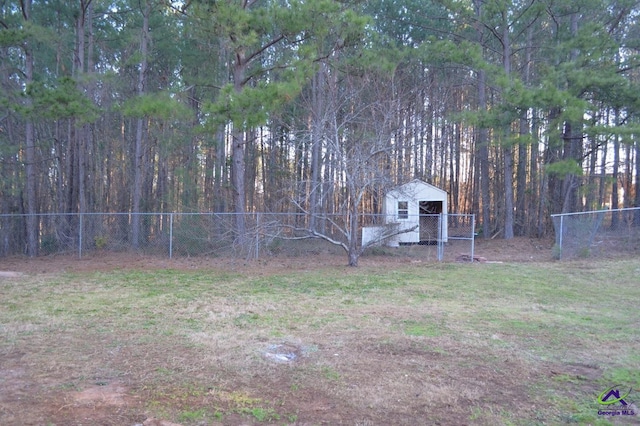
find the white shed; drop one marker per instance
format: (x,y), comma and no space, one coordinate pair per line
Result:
(414,207)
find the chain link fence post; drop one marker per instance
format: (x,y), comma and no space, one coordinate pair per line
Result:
(473,236)
(258,223)
(171,235)
(80,223)
(560,237)
(441,235)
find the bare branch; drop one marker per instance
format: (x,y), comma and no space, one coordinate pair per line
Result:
(259,51)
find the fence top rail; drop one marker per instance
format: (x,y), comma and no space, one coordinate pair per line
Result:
(318,215)
(129,213)
(596,211)
(82,214)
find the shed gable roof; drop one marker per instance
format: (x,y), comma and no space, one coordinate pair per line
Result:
(415,187)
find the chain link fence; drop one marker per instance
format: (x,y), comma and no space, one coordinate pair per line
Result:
(598,233)
(429,236)
(461,230)
(213,234)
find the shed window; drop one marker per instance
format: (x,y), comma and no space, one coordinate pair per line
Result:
(403,210)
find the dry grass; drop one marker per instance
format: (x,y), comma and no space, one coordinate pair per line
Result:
(383,344)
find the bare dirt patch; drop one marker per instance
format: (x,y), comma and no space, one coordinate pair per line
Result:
(98,403)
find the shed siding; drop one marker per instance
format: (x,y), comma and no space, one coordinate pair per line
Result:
(413,193)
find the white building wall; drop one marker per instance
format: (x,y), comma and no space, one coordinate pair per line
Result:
(413,192)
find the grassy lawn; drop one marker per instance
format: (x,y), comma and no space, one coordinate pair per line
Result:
(410,344)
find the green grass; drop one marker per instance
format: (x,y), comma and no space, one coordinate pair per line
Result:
(192,415)
(388,343)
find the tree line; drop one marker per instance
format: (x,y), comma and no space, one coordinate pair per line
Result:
(518,109)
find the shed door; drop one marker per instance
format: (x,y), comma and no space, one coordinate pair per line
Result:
(429,220)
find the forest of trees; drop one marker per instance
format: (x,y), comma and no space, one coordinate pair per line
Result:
(519,109)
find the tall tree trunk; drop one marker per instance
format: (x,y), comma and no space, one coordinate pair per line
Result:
(591,202)
(250,169)
(572,140)
(220,171)
(602,184)
(615,196)
(94,192)
(317,130)
(507,149)
(30,152)
(455,179)
(636,218)
(570,182)
(138,166)
(482,143)
(237,157)
(521,224)
(508,192)
(80,132)
(628,176)
(430,139)
(536,190)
